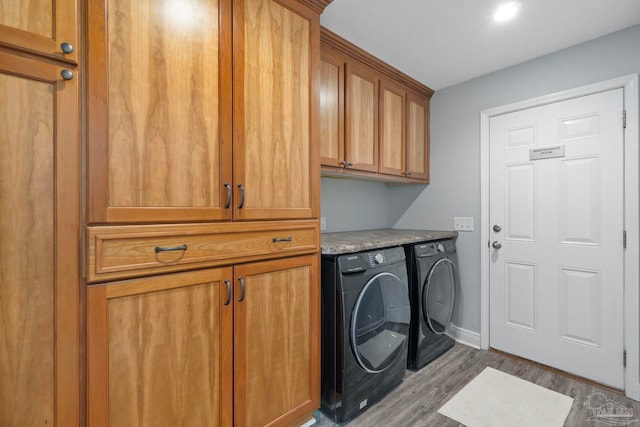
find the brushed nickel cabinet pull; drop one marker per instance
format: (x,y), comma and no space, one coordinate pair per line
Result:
(228,283)
(241,280)
(228,187)
(283,239)
(241,204)
(174,248)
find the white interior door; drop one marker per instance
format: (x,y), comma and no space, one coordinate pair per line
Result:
(556,270)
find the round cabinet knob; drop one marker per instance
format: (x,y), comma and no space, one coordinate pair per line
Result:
(66,47)
(497,228)
(496,245)
(66,74)
(379,258)
(350,164)
(343,163)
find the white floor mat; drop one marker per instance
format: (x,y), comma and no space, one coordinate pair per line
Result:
(496,399)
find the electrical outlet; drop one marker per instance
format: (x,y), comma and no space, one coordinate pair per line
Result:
(323,223)
(461,223)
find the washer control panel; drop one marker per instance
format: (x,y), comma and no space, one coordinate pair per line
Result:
(376,258)
(364,260)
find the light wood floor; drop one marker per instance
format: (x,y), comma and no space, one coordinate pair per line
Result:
(416,401)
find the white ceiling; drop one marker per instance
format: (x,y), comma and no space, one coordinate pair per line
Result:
(445,42)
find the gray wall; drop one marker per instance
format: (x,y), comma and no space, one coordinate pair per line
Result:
(350,205)
(455,146)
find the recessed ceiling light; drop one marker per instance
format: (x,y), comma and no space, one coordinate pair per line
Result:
(506,11)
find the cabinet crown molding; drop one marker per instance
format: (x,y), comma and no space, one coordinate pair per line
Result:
(316,5)
(331,41)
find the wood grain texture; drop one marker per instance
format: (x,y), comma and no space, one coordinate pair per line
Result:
(418,137)
(273,103)
(163,103)
(277,348)
(416,401)
(117,252)
(27,266)
(33,16)
(332,111)
(39,240)
(159,110)
(39,27)
(164,363)
(361,121)
(392,129)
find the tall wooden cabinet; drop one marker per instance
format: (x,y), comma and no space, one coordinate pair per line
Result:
(374,120)
(202,207)
(40,352)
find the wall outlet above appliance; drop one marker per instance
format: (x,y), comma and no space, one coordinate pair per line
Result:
(463,223)
(323,223)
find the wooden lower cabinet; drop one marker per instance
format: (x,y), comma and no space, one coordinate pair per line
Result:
(217,347)
(277,342)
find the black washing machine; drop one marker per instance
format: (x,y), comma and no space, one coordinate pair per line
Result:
(365,329)
(433,273)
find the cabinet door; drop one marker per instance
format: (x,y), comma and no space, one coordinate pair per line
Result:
(332,111)
(40,26)
(392,129)
(39,243)
(417,138)
(276,65)
(159,351)
(159,111)
(361,122)
(277,342)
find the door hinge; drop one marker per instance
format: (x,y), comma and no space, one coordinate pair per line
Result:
(624,358)
(624,119)
(624,239)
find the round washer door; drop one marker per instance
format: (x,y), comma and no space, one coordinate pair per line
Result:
(438,295)
(380,322)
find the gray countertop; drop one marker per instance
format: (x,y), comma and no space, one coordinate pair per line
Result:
(356,241)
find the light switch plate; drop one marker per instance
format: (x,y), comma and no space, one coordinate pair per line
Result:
(323,223)
(463,223)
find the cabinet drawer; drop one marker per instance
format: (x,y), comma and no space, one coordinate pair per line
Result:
(130,251)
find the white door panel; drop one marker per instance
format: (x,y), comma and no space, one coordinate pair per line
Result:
(556,283)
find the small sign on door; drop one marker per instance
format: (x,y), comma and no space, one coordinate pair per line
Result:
(546,152)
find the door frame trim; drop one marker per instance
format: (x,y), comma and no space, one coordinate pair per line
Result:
(631,273)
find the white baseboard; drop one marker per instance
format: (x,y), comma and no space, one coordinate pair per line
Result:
(309,423)
(464,336)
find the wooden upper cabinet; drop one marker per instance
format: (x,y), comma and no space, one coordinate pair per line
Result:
(163,144)
(40,27)
(361,121)
(276,65)
(386,116)
(332,110)
(417,138)
(159,111)
(39,241)
(392,129)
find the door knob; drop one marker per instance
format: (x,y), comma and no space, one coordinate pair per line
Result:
(497,228)
(496,245)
